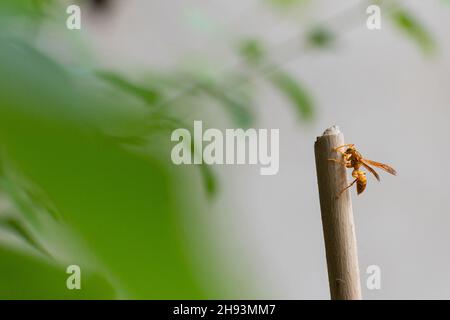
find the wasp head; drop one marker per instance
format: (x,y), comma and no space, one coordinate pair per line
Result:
(350,150)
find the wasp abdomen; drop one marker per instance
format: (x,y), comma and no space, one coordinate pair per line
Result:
(360,186)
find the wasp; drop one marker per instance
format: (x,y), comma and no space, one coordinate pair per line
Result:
(353,159)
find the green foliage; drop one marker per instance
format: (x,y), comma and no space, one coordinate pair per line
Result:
(30,276)
(209,179)
(320,37)
(122,201)
(411,26)
(295,92)
(161,120)
(19,228)
(252,50)
(33,10)
(150,96)
(286,4)
(233,101)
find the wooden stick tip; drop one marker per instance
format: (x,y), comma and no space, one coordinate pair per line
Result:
(331,131)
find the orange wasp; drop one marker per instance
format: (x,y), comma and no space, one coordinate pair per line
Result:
(353,159)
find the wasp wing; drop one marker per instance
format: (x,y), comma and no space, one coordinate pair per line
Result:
(383,166)
(370,169)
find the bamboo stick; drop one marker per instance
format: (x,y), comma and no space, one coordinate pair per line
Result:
(337,219)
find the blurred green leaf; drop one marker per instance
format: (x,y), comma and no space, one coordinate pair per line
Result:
(165,122)
(320,37)
(149,95)
(17,226)
(121,202)
(286,3)
(162,122)
(208,177)
(234,101)
(34,10)
(209,180)
(295,92)
(411,26)
(30,276)
(252,50)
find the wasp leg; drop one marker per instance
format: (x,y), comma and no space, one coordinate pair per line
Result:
(346,163)
(341,152)
(345,155)
(351,184)
(345,145)
(351,145)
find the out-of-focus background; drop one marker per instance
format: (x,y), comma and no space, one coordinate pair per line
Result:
(85,123)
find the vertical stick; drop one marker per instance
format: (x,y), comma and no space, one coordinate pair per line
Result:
(337,218)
